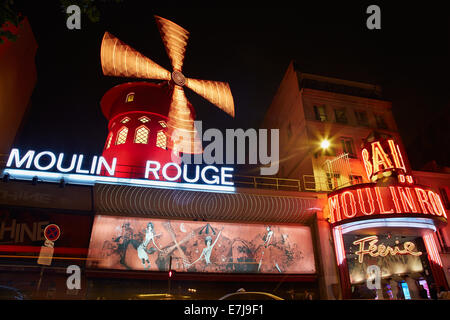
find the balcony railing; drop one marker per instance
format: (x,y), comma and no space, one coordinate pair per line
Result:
(260,182)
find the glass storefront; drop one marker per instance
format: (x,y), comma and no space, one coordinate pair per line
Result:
(387,265)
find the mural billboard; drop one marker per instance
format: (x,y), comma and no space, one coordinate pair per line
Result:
(131,243)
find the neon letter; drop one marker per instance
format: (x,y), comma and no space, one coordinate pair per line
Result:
(367,164)
(41,154)
(59,163)
(197,174)
(111,169)
(164,171)
(333,203)
(380,201)
(215,178)
(407,199)
(148,169)
(369,200)
(14,155)
(423,199)
(225,175)
(352,204)
(379,157)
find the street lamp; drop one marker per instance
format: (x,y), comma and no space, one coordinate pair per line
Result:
(325,144)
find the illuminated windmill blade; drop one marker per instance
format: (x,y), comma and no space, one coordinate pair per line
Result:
(218,93)
(120,60)
(183,136)
(175,40)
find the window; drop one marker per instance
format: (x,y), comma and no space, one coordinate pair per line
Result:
(163,124)
(108,143)
(347,147)
(125,120)
(141,135)
(320,113)
(333,180)
(356,180)
(144,119)
(444,197)
(361,118)
(122,136)
(381,124)
(130,97)
(341,117)
(161,140)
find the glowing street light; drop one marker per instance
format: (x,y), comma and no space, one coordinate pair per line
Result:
(325,144)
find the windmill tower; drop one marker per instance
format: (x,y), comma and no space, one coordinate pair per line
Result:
(153,121)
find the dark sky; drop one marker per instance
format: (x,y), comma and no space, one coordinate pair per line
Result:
(249,47)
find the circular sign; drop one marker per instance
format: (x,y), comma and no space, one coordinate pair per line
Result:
(52,232)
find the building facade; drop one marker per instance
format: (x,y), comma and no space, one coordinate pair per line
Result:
(336,139)
(344,219)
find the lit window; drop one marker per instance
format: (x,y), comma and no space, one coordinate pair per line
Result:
(141,135)
(161,140)
(320,113)
(130,97)
(122,135)
(108,143)
(163,124)
(144,119)
(356,180)
(125,120)
(347,147)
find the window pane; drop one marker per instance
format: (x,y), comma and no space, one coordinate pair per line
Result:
(122,136)
(361,117)
(341,117)
(141,135)
(130,97)
(108,143)
(347,147)
(161,140)
(144,119)
(320,113)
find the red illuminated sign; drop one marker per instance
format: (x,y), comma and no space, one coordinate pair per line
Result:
(383,156)
(368,200)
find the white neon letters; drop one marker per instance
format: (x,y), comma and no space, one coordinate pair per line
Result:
(173,172)
(47,160)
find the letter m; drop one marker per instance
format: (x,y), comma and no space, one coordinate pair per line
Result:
(15,156)
(335,212)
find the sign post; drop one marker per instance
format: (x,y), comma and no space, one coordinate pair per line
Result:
(51,234)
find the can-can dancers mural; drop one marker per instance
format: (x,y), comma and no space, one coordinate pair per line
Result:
(195,246)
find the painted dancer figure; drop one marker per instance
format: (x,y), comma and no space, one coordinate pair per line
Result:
(206,253)
(267,238)
(123,240)
(142,248)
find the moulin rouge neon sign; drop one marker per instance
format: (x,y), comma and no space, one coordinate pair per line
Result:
(368,200)
(381,250)
(81,170)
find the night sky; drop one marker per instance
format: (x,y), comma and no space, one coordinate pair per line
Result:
(250,48)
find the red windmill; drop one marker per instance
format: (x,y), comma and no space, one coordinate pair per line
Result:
(150,121)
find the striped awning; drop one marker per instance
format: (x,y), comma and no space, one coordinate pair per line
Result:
(242,206)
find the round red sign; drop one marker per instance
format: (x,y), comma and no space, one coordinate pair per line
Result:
(52,232)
